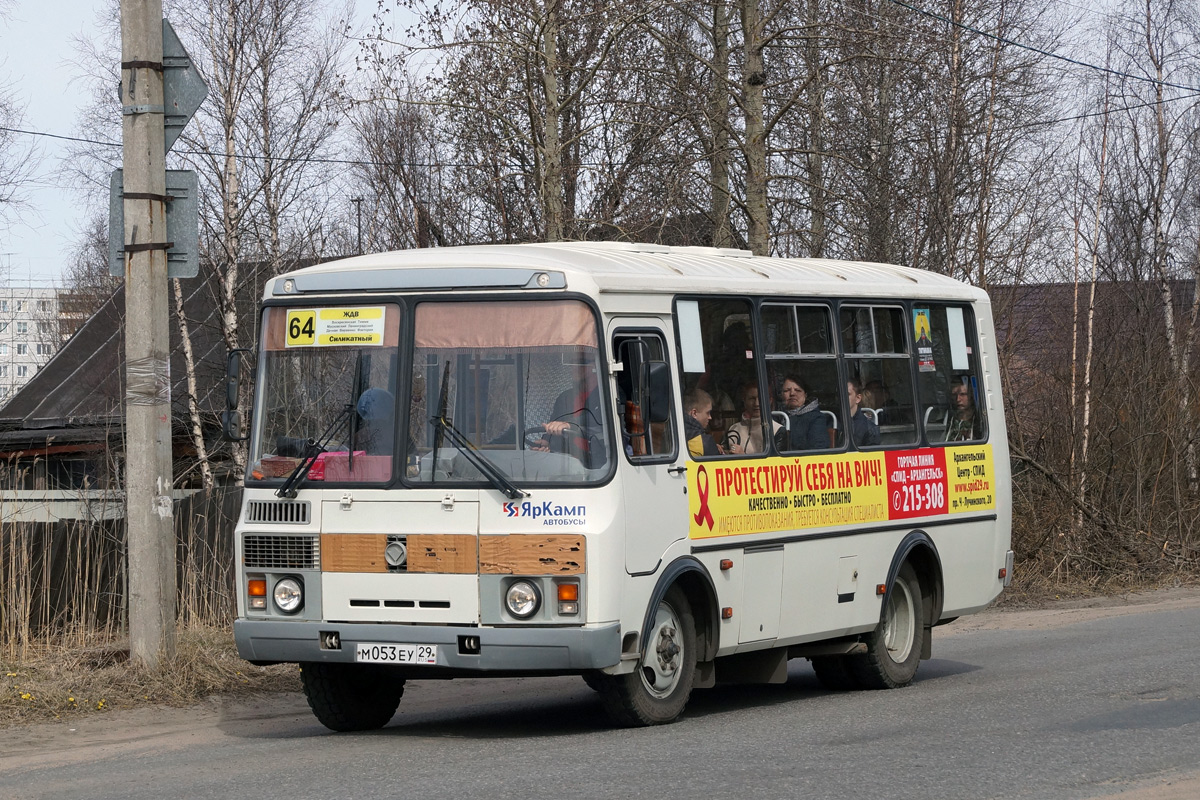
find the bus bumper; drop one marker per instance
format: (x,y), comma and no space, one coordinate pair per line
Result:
(500,649)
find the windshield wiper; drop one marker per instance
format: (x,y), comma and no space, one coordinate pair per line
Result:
(443,403)
(355,392)
(478,460)
(313,449)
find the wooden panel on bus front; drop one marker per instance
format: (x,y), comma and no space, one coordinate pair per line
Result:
(531,554)
(427,553)
(353,552)
(446,553)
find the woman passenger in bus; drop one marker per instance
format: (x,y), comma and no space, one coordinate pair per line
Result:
(863,429)
(745,435)
(810,429)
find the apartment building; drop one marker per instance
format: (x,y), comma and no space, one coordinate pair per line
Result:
(34,322)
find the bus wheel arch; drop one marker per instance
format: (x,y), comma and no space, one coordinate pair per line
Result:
(911,605)
(919,551)
(694,581)
(677,634)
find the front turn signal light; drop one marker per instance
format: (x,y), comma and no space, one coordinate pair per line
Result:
(568,599)
(256,592)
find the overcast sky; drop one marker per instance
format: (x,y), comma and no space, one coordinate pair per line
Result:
(36,48)
(35,54)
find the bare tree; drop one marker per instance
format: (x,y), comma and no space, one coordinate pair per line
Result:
(18,157)
(401,168)
(1156,164)
(524,92)
(256,144)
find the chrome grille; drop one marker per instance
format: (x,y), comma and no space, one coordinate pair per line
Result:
(281,552)
(268,511)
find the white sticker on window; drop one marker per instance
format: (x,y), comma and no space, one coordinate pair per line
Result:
(958,339)
(691,343)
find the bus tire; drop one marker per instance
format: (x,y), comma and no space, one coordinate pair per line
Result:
(657,691)
(351,697)
(894,647)
(835,673)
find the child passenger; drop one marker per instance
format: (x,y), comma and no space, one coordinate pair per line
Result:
(697,414)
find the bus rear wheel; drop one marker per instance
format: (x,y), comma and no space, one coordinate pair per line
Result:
(657,691)
(351,697)
(894,647)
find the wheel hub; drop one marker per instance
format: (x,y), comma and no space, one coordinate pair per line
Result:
(667,649)
(663,660)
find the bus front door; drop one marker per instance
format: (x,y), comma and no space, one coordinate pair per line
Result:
(654,493)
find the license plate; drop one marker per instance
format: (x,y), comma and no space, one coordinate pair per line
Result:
(373,653)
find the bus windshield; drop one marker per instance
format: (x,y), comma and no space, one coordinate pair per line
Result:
(514,383)
(328,394)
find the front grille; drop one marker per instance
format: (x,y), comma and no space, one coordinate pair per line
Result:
(281,552)
(295,513)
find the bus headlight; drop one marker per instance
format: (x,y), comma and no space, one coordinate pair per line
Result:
(522,599)
(289,595)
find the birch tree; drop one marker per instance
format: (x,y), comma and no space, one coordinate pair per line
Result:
(1152,224)
(255,143)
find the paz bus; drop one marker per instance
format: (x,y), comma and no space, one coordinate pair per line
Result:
(657,468)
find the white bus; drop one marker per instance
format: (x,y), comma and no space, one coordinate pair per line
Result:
(654,467)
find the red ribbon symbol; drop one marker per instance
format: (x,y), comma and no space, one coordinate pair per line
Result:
(705,513)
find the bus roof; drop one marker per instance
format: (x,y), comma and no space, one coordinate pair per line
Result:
(615,267)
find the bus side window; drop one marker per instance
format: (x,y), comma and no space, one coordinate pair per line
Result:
(644,406)
(951,401)
(806,395)
(876,351)
(716,359)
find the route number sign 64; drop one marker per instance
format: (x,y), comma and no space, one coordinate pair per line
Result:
(301,328)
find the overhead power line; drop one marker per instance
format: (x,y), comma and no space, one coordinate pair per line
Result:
(1192,95)
(1048,53)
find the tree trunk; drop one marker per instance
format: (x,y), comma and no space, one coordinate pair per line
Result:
(816,132)
(1085,425)
(189,365)
(552,156)
(1179,365)
(718,116)
(753,81)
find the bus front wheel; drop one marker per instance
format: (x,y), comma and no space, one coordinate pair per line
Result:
(657,691)
(351,697)
(894,647)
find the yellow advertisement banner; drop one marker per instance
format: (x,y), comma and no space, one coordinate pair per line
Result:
(972,478)
(730,498)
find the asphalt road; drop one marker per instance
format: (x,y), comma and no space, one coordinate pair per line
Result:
(1045,704)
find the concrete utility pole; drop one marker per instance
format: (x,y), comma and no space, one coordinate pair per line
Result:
(149,514)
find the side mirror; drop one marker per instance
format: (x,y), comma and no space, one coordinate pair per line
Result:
(232,423)
(657,400)
(233,377)
(232,429)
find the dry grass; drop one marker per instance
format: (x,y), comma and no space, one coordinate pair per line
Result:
(1037,584)
(54,681)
